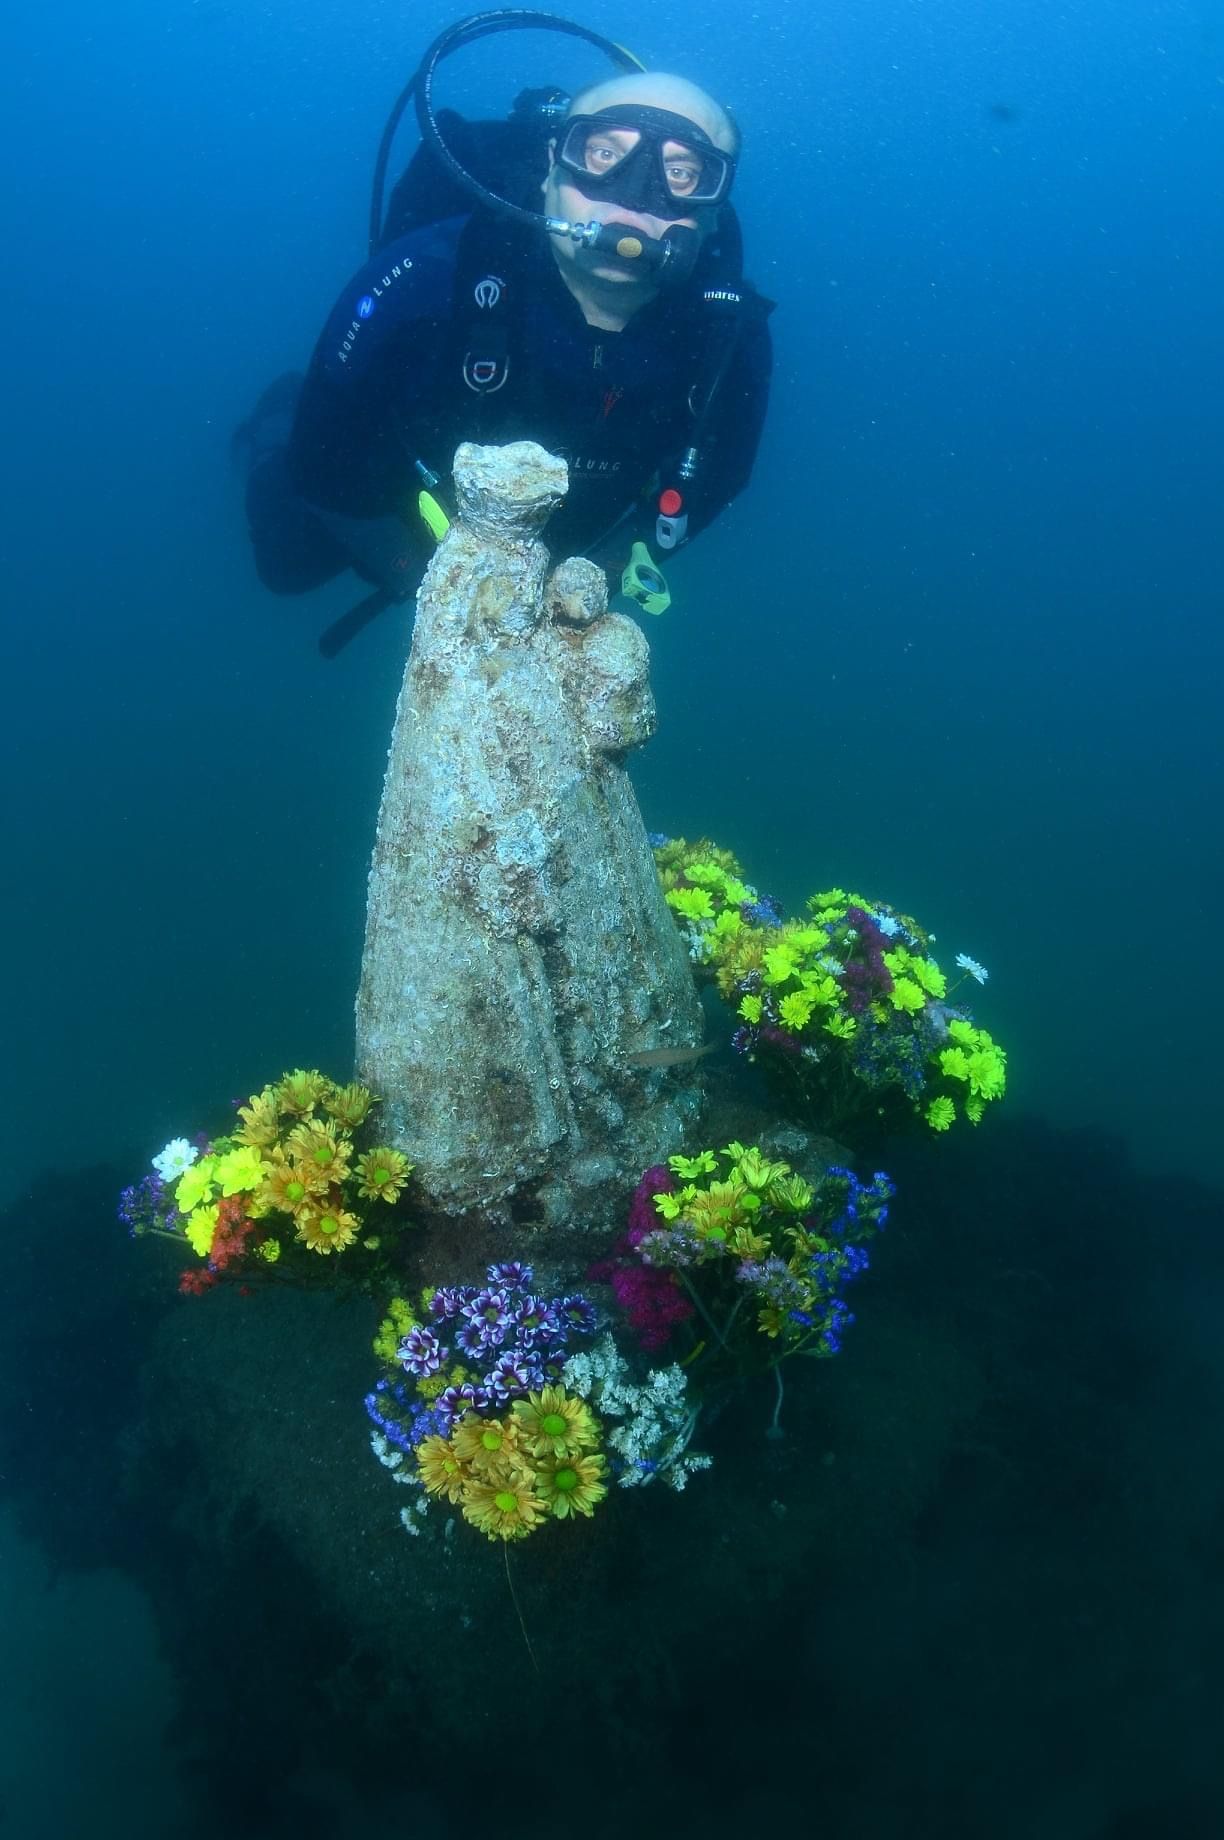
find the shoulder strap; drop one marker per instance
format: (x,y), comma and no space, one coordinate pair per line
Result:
(486,302)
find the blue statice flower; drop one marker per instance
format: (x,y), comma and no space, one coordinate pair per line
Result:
(891,1054)
(147,1207)
(865,1205)
(764,911)
(837,1322)
(657,839)
(393,1410)
(776,1283)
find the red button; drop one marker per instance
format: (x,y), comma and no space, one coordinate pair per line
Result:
(670,502)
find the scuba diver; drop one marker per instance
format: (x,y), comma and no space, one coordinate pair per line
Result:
(570,276)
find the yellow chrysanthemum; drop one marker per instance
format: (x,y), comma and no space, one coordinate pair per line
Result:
(291,1186)
(822,987)
(239,1171)
(715,1210)
(571,1485)
(321,1144)
(505,1511)
(440,1469)
(381,1174)
(791,1193)
(750,1008)
(690,903)
(780,964)
(907,995)
(195,1185)
(940,1114)
(928,974)
(259,1120)
(269,1250)
(490,1446)
(795,1011)
(553,1423)
(300,1091)
(327,1229)
(201,1225)
(746,1244)
(753,1168)
(988,1073)
(349,1104)
(842,1028)
(688,1168)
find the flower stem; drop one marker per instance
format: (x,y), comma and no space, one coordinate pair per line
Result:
(775,1430)
(517,1611)
(710,1324)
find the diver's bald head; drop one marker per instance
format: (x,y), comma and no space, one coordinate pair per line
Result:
(658,89)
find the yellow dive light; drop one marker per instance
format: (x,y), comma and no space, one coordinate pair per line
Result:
(435,518)
(644,583)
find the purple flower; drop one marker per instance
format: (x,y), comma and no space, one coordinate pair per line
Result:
(488,1306)
(575,1315)
(531,1320)
(512,1275)
(456,1400)
(470,1338)
(509,1377)
(421,1353)
(446,1302)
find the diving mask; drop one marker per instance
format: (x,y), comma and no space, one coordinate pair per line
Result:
(645,160)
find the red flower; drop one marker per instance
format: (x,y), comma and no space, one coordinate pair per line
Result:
(195,1283)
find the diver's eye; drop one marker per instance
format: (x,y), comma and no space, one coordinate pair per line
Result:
(604,151)
(682,177)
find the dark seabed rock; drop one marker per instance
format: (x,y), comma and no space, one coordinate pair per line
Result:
(976,1589)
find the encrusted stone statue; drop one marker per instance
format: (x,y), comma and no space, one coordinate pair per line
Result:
(527,1008)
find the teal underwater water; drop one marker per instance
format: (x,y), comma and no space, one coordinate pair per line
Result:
(960,645)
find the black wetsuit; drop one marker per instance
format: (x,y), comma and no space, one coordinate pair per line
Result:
(462,331)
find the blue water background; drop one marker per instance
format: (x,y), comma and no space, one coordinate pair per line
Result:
(960,644)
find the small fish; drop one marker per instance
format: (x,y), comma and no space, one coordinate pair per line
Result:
(668,1057)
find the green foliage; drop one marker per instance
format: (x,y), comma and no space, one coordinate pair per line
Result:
(847,1012)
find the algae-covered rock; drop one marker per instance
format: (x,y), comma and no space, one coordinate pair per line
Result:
(519,954)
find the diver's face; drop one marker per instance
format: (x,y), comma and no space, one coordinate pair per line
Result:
(563,198)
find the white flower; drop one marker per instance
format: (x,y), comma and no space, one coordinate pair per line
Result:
(888,924)
(177,1156)
(971,966)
